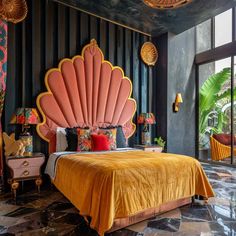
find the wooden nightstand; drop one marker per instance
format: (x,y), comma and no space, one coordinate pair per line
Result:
(25,168)
(149,148)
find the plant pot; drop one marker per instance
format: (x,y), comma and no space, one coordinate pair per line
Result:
(204,154)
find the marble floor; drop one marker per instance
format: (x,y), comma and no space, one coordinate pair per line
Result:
(51,214)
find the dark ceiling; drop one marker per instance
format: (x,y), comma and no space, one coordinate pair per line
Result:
(137,15)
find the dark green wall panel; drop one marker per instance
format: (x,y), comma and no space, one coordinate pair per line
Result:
(51,32)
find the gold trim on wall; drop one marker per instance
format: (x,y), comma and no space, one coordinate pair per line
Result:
(103,18)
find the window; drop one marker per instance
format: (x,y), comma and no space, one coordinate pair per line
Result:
(215,111)
(203,31)
(214,32)
(223,28)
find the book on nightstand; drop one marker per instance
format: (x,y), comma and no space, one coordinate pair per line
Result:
(150,148)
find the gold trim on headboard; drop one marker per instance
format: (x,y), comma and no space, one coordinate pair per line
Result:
(93,42)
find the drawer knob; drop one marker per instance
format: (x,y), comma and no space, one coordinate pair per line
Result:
(26,173)
(25,163)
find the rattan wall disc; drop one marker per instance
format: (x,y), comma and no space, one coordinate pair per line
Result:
(13,10)
(166,4)
(149,53)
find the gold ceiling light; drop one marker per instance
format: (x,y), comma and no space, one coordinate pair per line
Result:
(166,4)
(13,10)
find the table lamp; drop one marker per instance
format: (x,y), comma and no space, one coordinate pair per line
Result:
(146,119)
(26,117)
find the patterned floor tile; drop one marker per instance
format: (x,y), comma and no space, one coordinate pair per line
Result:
(7,208)
(21,211)
(219,201)
(223,228)
(174,214)
(195,213)
(10,221)
(60,229)
(222,213)
(194,227)
(125,232)
(138,227)
(45,200)
(165,224)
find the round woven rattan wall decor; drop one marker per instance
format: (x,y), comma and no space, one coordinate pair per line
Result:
(149,53)
(13,10)
(166,4)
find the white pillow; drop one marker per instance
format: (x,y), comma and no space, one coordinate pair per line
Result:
(61,141)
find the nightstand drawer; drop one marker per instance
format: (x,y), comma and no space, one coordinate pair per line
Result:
(26,172)
(25,162)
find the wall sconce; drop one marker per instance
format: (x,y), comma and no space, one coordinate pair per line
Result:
(178,100)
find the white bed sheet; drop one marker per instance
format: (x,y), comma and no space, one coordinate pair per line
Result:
(54,157)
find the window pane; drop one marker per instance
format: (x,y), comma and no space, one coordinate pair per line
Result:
(203,36)
(223,28)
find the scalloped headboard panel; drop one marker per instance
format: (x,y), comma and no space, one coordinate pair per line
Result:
(85,91)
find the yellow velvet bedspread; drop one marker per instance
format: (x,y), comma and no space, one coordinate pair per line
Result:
(119,184)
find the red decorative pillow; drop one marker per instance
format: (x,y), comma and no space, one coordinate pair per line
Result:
(223,138)
(111,136)
(99,142)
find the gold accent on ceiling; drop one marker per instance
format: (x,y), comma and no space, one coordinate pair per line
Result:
(149,53)
(166,4)
(13,10)
(103,18)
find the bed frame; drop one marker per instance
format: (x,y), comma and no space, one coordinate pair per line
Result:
(89,91)
(148,213)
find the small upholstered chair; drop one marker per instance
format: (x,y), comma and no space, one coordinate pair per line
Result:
(221,146)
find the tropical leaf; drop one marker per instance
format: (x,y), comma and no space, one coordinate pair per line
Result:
(211,88)
(227,94)
(222,119)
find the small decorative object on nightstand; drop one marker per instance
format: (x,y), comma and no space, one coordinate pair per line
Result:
(149,148)
(26,117)
(160,142)
(146,119)
(25,168)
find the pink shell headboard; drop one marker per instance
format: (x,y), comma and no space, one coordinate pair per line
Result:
(85,91)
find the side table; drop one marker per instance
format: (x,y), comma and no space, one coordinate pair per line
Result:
(25,168)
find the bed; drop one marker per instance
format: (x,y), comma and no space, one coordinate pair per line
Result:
(117,188)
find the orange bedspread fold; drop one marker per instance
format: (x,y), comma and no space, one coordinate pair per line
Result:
(119,184)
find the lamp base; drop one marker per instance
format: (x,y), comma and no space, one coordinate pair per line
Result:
(146,138)
(27,138)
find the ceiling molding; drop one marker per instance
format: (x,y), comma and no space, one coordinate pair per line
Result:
(137,16)
(103,18)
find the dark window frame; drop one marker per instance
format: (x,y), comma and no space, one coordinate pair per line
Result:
(215,54)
